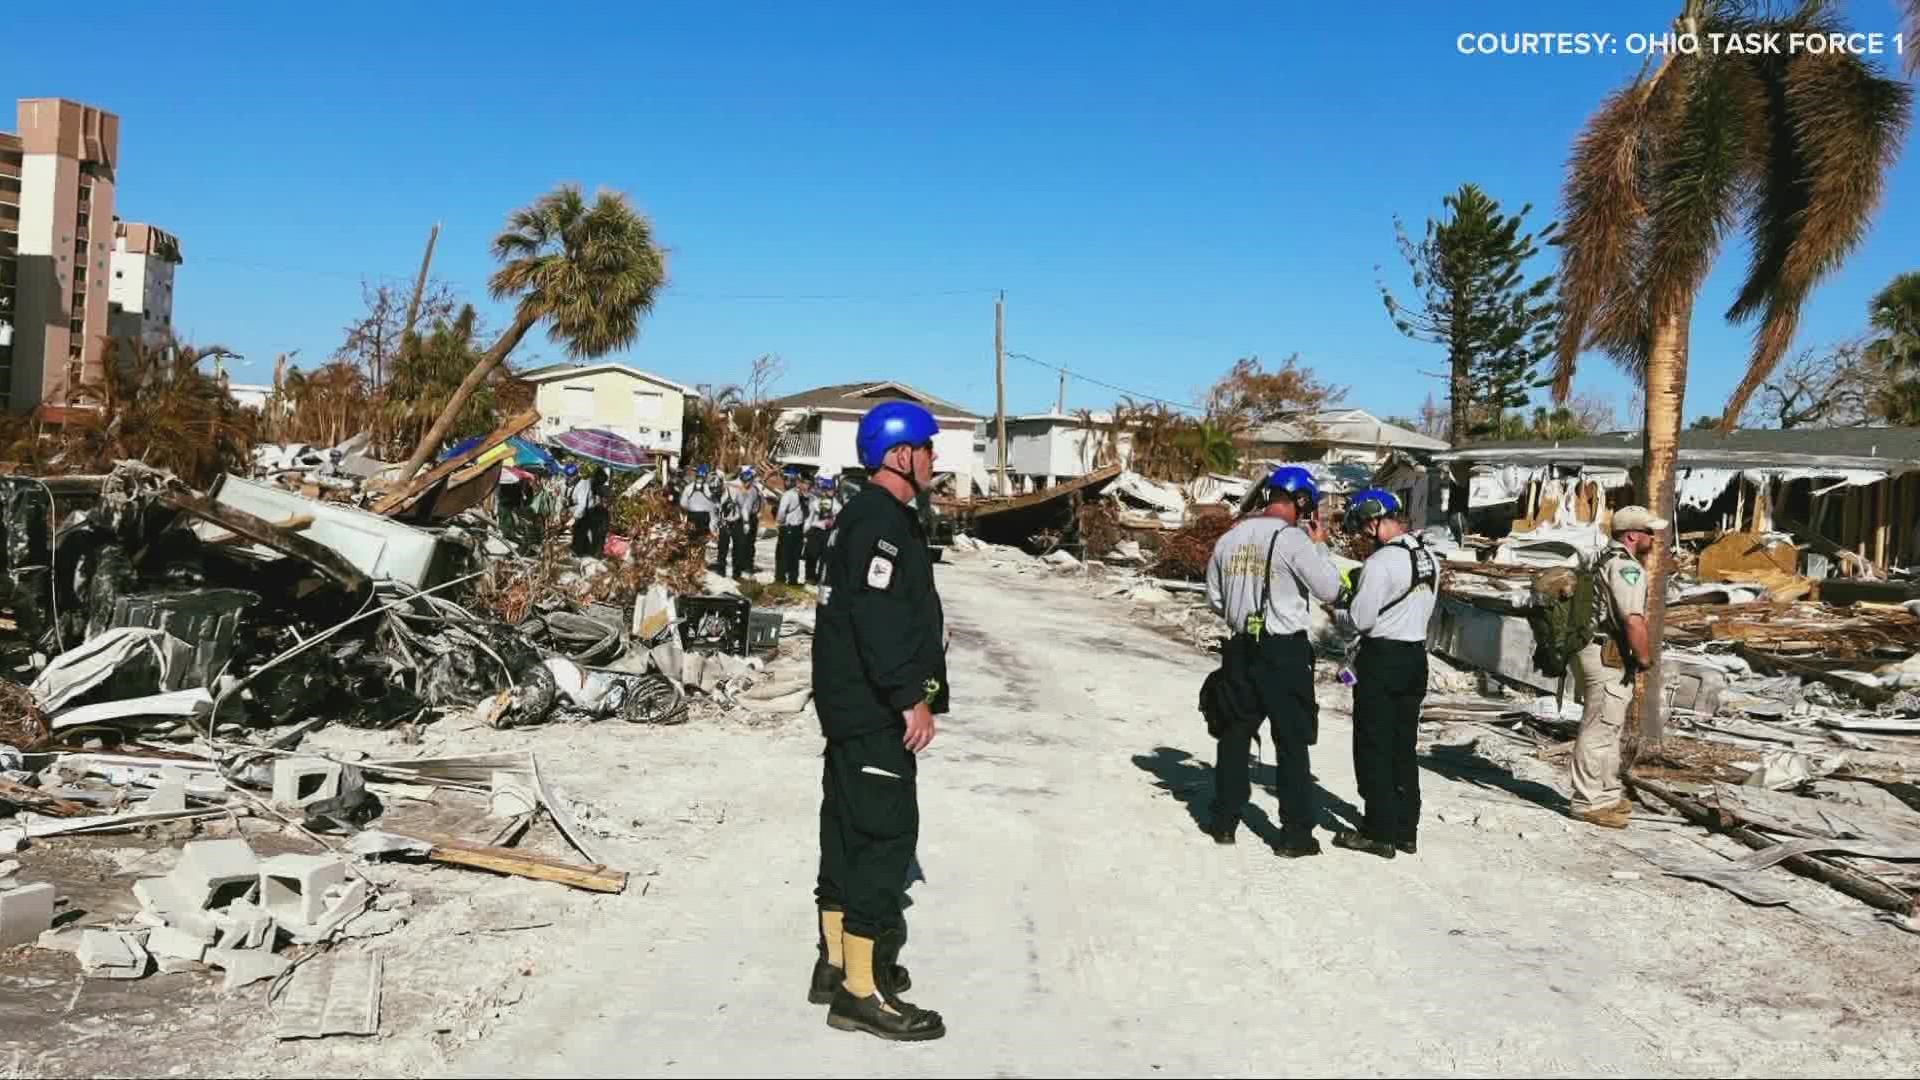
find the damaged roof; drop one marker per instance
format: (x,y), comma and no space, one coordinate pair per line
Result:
(861,396)
(1855,447)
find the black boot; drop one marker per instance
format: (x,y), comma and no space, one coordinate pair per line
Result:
(1353,841)
(1221,829)
(827,979)
(884,1013)
(1297,848)
(1406,847)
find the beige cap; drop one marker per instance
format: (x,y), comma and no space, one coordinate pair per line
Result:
(1635,518)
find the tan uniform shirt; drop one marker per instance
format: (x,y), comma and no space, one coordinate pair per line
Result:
(1625,594)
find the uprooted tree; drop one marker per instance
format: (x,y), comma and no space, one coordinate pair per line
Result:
(589,271)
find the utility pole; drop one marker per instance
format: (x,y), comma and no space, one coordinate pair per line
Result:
(1061,408)
(413,306)
(1000,383)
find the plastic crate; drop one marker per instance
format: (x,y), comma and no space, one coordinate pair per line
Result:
(714,623)
(763,629)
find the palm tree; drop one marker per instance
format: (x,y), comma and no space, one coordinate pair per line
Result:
(1913,36)
(1795,147)
(590,272)
(1894,315)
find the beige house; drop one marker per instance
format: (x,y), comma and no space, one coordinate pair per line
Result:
(634,404)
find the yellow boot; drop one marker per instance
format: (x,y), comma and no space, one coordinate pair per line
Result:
(859,1006)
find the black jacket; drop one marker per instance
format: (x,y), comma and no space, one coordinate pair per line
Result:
(879,639)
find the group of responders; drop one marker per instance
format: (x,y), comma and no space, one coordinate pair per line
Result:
(1580,43)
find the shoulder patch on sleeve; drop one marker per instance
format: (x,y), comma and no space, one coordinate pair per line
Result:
(880,572)
(1630,574)
(887,548)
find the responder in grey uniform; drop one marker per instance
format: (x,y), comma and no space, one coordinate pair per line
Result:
(1607,667)
(1260,578)
(1392,603)
(791,517)
(697,501)
(747,501)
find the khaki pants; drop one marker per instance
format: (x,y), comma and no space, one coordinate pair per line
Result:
(1596,753)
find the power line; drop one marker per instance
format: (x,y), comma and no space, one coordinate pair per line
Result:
(1110,386)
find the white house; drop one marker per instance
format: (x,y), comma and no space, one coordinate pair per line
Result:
(633,404)
(250,395)
(1044,449)
(819,427)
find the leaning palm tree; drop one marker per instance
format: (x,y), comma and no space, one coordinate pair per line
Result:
(589,271)
(1795,147)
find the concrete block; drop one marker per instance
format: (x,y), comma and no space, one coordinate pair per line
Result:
(214,873)
(302,780)
(169,942)
(25,912)
(341,902)
(293,888)
(173,965)
(246,966)
(110,954)
(169,794)
(243,925)
(67,941)
(161,904)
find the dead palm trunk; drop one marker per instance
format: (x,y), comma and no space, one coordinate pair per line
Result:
(1666,383)
(522,322)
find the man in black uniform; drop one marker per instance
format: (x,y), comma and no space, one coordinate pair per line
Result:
(879,678)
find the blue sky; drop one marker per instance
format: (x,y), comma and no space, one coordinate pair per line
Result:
(1158,191)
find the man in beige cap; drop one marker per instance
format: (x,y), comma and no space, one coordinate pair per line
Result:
(1607,665)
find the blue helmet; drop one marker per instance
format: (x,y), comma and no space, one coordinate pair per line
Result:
(825,483)
(571,469)
(1297,482)
(746,472)
(891,424)
(700,470)
(1369,504)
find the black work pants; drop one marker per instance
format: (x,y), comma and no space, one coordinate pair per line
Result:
(723,537)
(1390,683)
(744,535)
(814,550)
(869,826)
(583,536)
(698,526)
(786,554)
(1279,670)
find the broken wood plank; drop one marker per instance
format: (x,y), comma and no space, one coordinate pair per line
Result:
(261,531)
(40,802)
(522,864)
(293,523)
(394,502)
(1861,886)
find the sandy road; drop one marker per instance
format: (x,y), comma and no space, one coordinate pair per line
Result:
(1074,921)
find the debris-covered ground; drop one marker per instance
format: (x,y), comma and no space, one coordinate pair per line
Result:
(271,816)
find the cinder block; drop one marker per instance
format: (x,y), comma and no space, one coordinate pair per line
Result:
(162,905)
(342,901)
(110,954)
(167,941)
(303,780)
(24,913)
(244,966)
(214,873)
(293,888)
(243,925)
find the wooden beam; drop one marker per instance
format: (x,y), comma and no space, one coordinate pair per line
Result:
(261,531)
(1882,491)
(1855,883)
(394,502)
(524,864)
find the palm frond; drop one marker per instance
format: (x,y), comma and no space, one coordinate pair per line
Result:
(1845,122)
(1605,210)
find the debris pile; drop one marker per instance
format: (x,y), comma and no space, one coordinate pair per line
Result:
(167,654)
